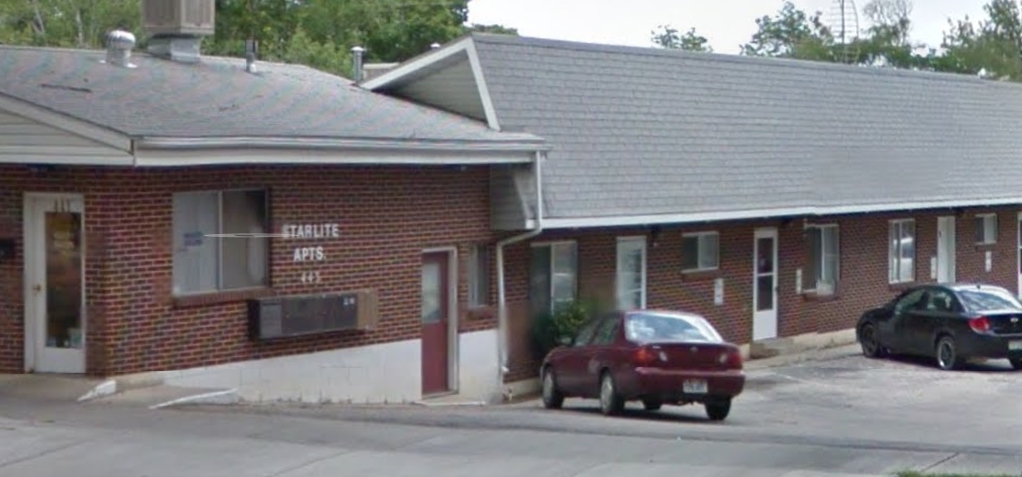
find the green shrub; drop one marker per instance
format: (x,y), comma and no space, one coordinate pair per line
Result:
(550,329)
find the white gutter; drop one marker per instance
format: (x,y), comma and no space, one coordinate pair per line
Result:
(502,344)
(527,144)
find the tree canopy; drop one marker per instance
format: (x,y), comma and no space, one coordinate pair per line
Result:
(318,33)
(991,46)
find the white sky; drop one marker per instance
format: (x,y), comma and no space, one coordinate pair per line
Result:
(725,23)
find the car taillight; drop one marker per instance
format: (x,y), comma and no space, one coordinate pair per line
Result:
(980,324)
(645,356)
(731,358)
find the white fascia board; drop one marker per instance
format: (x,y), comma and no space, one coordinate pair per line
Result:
(663,219)
(45,116)
(415,65)
(124,159)
(482,89)
(206,157)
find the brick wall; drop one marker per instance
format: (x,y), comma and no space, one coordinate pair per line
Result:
(863,272)
(387,216)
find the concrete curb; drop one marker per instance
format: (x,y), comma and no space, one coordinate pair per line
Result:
(227,397)
(449,404)
(103,389)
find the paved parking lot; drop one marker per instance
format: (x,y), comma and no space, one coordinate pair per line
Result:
(840,417)
(846,401)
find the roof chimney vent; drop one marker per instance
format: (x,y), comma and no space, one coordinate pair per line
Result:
(118,48)
(176,27)
(356,60)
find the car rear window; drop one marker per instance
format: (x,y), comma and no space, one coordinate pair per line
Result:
(990,299)
(662,327)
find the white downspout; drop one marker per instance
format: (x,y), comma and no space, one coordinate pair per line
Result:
(502,344)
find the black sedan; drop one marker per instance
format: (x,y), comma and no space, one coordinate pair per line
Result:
(951,322)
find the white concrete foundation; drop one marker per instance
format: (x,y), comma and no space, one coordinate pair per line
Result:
(384,373)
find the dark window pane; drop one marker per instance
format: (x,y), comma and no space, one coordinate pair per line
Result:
(690,253)
(765,292)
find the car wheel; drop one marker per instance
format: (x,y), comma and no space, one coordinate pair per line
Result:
(870,342)
(718,410)
(947,354)
(552,397)
(611,402)
(652,404)
(1016,363)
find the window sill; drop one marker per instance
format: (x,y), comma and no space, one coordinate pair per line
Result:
(986,246)
(217,298)
(813,296)
(698,275)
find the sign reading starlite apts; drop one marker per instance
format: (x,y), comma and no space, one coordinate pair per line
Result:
(310,253)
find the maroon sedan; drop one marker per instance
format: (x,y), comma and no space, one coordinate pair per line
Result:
(657,357)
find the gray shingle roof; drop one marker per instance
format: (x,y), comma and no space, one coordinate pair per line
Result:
(217,98)
(642,131)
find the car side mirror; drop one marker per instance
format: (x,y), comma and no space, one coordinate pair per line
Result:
(566,341)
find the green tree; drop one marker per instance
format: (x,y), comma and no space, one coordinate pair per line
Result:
(496,29)
(791,33)
(993,45)
(666,36)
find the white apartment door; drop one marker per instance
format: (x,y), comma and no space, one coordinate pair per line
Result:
(946,249)
(631,273)
(764,288)
(55,284)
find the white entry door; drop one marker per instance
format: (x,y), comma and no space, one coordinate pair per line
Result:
(946,249)
(631,273)
(54,284)
(764,288)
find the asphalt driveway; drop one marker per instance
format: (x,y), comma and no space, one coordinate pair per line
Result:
(843,401)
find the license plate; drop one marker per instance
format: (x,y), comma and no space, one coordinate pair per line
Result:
(694,386)
(1015,345)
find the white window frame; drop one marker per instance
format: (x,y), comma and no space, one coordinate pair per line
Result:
(894,255)
(479,278)
(699,253)
(220,243)
(617,271)
(989,222)
(552,246)
(815,286)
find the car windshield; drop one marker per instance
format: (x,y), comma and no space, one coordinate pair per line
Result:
(988,299)
(662,327)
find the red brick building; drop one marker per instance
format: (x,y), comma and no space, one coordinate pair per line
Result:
(779,198)
(266,227)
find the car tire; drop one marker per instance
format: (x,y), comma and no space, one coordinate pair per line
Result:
(552,397)
(718,410)
(611,402)
(947,354)
(870,342)
(1016,363)
(652,404)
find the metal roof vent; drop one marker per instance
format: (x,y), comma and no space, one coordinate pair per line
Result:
(119,44)
(357,72)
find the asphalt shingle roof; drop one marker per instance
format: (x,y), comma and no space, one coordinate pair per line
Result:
(642,131)
(218,98)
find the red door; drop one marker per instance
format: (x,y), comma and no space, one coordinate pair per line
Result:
(435,306)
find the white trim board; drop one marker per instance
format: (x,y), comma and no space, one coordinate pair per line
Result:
(416,64)
(99,134)
(200,157)
(640,220)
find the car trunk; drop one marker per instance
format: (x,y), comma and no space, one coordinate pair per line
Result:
(1005,323)
(694,355)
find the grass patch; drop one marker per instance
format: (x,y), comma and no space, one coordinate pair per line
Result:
(920,474)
